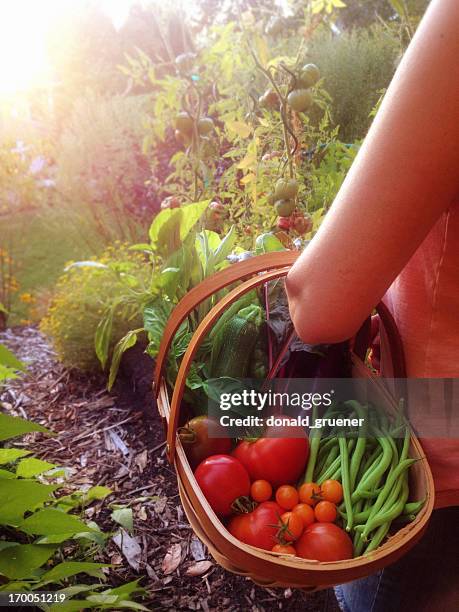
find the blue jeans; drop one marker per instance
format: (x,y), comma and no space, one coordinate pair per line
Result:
(426,579)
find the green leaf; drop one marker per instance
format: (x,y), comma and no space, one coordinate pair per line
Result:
(172,225)
(126,590)
(127,342)
(123,516)
(97,492)
(397,5)
(27,468)
(20,561)
(7,474)
(8,359)
(3,309)
(15,426)
(19,496)
(102,337)
(225,247)
(74,605)
(267,243)
(8,455)
(50,521)
(155,317)
(72,568)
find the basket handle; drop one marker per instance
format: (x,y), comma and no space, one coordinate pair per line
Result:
(209,286)
(395,345)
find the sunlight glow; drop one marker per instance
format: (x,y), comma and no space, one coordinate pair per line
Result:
(24,25)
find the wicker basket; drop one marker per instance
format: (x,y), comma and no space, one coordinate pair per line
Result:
(266,568)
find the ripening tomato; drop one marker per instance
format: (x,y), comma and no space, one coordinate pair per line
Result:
(305,512)
(309,493)
(184,123)
(332,491)
(300,99)
(324,542)
(277,460)
(222,479)
(259,527)
(205,126)
(287,497)
(284,208)
(285,549)
(202,437)
(325,512)
(286,189)
(261,490)
(291,527)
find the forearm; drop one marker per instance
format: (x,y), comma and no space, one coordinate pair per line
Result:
(405,175)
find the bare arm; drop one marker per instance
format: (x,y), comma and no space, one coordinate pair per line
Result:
(405,175)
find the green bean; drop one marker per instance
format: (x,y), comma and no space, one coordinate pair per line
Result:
(371,461)
(404,519)
(392,512)
(387,488)
(413,507)
(328,460)
(313,448)
(345,481)
(360,446)
(371,478)
(378,537)
(358,544)
(326,446)
(328,473)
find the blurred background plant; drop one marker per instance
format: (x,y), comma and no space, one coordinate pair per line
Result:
(82,295)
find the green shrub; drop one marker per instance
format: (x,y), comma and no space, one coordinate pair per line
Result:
(356,66)
(83,294)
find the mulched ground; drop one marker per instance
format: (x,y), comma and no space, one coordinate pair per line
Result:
(117,441)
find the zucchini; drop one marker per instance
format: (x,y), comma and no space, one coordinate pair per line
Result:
(239,338)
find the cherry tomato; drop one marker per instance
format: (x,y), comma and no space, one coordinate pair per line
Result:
(325,512)
(286,189)
(324,542)
(258,528)
(309,75)
(285,549)
(302,224)
(184,123)
(261,490)
(205,126)
(332,491)
(284,208)
(305,512)
(199,439)
(275,459)
(283,223)
(291,527)
(222,479)
(309,493)
(300,100)
(287,497)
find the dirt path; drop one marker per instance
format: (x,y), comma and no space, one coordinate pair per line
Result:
(114,440)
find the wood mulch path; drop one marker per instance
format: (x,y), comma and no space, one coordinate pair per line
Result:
(116,440)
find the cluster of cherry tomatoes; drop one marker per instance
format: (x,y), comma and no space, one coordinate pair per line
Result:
(308,515)
(283,198)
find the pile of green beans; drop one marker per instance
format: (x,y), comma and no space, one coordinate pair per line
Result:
(372,467)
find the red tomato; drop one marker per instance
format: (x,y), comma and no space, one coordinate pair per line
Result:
(325,512)
(324,542)
(309,493)
(332,491)
(277,460)
(285,549)
(287,496)
(258,528)
(305,512)
(222,479)
(202,437)
(291,527)
(261,490)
